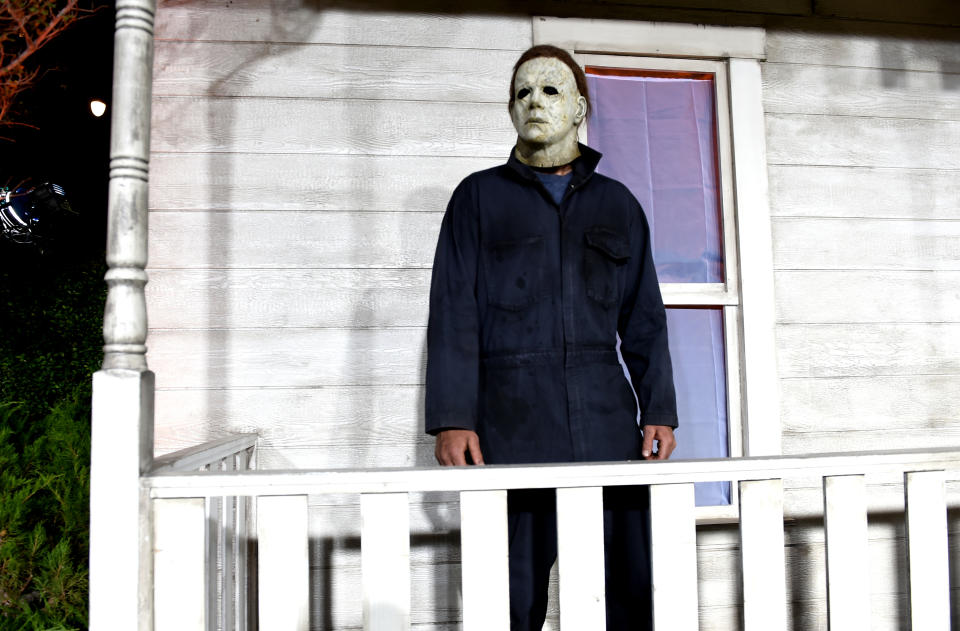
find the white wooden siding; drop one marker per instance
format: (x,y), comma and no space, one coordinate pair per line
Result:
(250,181)
(814,139)
(890,47)
(294,21)
(862,92)
(330,72)
(869,296)
(866,277)
(223,298)
(301,162)
(864,193)
(869,192)
(384,356)
(345,127)
(293,239)
(935,12)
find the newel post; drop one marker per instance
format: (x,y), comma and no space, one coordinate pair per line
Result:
(120,559)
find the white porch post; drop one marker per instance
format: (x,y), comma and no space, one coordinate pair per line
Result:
(120,594)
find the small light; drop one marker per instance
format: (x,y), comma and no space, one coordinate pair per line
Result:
(98,107)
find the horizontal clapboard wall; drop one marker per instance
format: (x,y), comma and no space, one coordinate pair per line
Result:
(273,182)
(302,160)
(386,356)
(864,192)
(298,181)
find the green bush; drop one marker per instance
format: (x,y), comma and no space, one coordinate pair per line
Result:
(50,344)
(44,540)
(51,335)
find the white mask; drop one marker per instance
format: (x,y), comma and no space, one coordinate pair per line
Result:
(546,112)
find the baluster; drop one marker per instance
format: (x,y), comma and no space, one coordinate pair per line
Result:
(928,561)
(385,561)
(125,316)
(673,533)
(179,565)
(241,517)
(283,562)
(214,536)
(580,551)
(484,553)
(761,552)
(228,537)
(845,523)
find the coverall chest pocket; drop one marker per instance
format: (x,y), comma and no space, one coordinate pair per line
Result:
(514,272)
(605,257)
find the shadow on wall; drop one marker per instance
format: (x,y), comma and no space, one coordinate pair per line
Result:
(221,123)
(337,598)
(807,590)
(236,199)
(226,223)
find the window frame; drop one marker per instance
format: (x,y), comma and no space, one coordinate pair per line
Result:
(733,55)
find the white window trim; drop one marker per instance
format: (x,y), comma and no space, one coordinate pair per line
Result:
(741,49)
(726,294)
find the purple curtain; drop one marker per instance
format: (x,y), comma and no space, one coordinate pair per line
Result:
(658,137)
(699,375)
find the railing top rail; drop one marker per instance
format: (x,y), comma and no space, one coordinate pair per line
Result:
(192,458)
(317,482)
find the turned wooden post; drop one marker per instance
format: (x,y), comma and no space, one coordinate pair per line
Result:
(122,449)
(125,319)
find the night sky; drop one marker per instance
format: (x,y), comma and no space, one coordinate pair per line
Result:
(70,147)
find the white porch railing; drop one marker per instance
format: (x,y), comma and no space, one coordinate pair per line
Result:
(183,561)
(212,531)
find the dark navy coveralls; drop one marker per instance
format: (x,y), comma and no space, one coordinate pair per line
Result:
(526,302)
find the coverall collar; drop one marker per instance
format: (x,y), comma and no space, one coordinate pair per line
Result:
(583,167)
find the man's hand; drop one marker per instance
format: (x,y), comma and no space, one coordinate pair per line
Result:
(454,444)
(663,434)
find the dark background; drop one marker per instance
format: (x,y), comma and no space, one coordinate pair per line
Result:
(51,300)
(69,145)
(51,314)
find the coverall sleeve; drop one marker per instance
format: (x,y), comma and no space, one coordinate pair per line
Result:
(643,332)
(453,331)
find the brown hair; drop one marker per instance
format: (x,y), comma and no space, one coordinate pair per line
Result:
(546,50)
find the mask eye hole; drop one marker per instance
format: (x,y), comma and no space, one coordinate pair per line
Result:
(552,91)
(522,94)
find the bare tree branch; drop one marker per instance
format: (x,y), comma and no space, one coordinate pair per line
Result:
(26,26)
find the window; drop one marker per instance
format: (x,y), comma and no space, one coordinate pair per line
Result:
(678,117)
(663,127)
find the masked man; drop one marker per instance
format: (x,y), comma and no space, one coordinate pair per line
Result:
(540,264)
